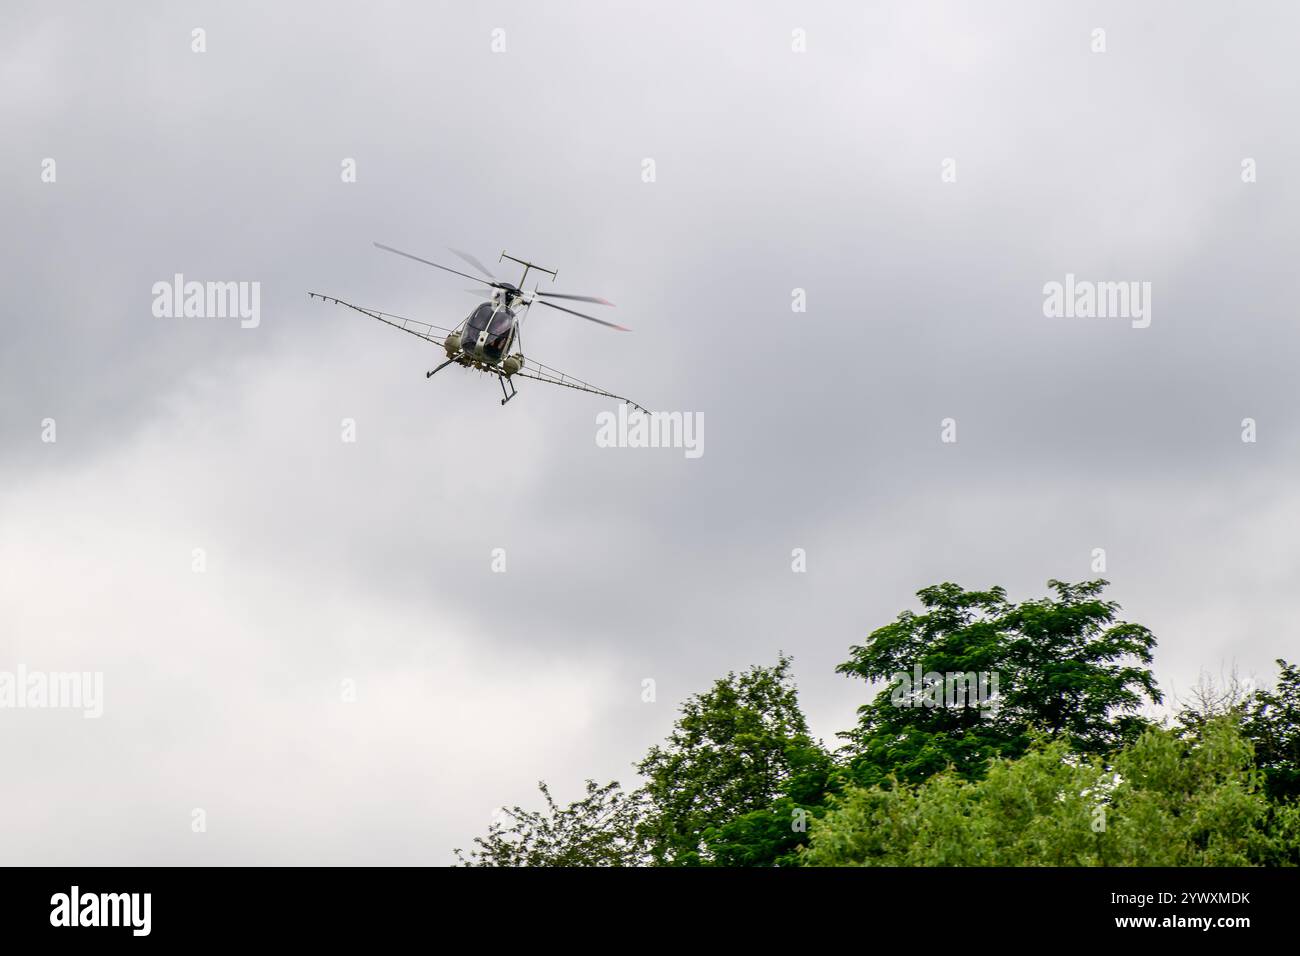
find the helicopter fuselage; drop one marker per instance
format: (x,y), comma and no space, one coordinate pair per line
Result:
(486,336)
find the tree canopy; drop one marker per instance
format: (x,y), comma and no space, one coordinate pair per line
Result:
(595,830)
(1058,766)
(1163,801)
(1065,665)
(728,784)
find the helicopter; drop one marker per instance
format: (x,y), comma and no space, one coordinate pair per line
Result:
(484,339)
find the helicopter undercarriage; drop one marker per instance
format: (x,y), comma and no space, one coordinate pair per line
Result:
(503,377)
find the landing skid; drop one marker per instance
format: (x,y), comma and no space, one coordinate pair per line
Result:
(511,394)
(439,368)
(503,379)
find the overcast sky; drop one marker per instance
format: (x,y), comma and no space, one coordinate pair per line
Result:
(775,170)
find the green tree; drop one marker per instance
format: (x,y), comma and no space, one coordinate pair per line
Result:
(597,830)
(1163,801)
(737,778)
(1064,665)
(1272,722)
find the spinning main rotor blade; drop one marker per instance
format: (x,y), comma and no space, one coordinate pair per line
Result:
(475,263)
(589,318)
(380,245)
(577,298)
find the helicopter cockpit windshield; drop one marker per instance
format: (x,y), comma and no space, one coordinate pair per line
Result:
(498,339)
(497,323)
(478,321)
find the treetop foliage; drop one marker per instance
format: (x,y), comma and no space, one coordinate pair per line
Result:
(1058,768)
